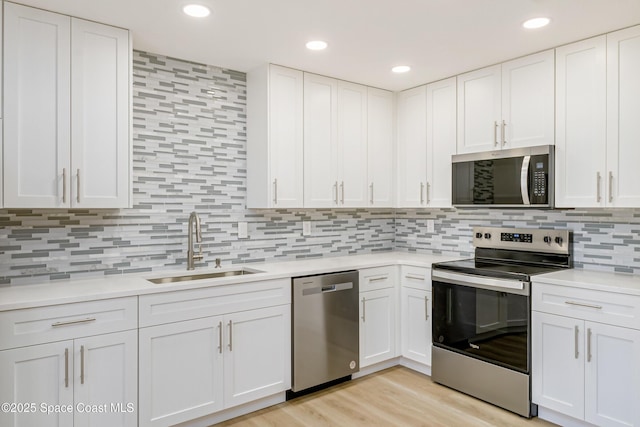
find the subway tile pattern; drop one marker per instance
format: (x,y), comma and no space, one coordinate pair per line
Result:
(189,153)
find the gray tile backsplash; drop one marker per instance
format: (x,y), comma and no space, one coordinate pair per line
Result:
(189,153)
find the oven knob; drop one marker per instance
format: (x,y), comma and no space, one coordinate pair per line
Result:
(478,235)
(487,235)
(547,239)
(559,240)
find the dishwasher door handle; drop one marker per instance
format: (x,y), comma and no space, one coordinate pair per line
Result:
(327,288)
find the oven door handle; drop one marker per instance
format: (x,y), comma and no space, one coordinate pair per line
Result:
(524,180)
(480,282)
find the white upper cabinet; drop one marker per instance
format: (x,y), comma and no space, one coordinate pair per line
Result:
(507,106)
(623,123)
(479,119)
(581,135)
(352,144)
(320,141)
(71,77)
(275,138)
(412,147)
(441,141)
(380,149)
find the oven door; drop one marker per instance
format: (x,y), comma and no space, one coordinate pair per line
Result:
(484,318)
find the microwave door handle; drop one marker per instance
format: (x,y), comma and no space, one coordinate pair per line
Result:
(524,180)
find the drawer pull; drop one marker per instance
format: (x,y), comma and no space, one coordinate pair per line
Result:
(81,364)
(74,322)
(363,309)
(414,277)
(597,307)
(575,338)
(588,344)
(66,368)
(220,337)
(426,308)
(230,335)
(377,279)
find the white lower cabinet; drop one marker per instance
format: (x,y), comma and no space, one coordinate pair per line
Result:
(197,367)
(582,368)
(378,308)
(83,382)
(415,307)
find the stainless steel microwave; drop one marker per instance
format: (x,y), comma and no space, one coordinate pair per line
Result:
(514,178)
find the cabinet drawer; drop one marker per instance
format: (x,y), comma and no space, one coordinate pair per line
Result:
(588,304)
(378,278)
(176,306)
(415,277)
(67,321)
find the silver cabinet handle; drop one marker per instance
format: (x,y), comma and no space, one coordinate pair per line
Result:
(275,191)
(81,364)
(495,133)
(230,335)
(576,333)
(579,304)
(588,344)
(220,337)
(504,132)
(335,189)
(64,185)
(610,187)
(342,191)
(426,308)
(598,179)
(428,187)
(371,187)
(66,368)
(78,186)
(363,309)
(73,322)
(421,193)
(377,279)
(414,277)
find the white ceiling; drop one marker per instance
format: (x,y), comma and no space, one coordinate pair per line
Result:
(437,38)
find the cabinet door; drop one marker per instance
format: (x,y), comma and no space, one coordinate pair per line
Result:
(180,371)
(100,115)
(320,141)
(412,147)
(258,354)
(377,326)
(479,108)
(612,375)
(416,325)
(380,169)
(528,101)
(352,144)
(285,137)
(105,373)
(558,363)
(37,170)
(441,141)
(40,374)
(623,126)
(581,123)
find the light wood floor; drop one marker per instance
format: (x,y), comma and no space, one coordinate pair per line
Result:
(394,397)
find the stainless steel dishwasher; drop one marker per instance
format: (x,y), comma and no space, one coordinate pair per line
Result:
(325,329)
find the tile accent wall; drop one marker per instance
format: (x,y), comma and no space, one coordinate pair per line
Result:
(189,153)
(603,239)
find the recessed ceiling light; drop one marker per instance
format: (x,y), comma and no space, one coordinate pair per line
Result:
(536,23)
(316,45)
(196,10)
(401,69)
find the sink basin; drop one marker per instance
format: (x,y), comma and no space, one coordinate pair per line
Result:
(214,275)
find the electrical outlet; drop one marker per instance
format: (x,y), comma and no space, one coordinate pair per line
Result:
(306,228)
(243,230)
(431,226)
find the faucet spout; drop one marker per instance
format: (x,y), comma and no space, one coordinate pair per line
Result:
(191,256)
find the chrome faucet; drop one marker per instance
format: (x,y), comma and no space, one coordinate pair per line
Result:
(191,257)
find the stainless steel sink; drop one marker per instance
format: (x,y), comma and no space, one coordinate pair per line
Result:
(215,275)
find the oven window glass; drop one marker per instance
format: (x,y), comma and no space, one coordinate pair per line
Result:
(488,182)
(488,325)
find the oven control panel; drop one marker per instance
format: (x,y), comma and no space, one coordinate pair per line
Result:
(523,239)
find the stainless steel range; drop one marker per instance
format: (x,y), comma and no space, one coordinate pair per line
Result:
(482,313)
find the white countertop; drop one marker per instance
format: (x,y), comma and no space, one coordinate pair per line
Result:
(69,291)
(598,280)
